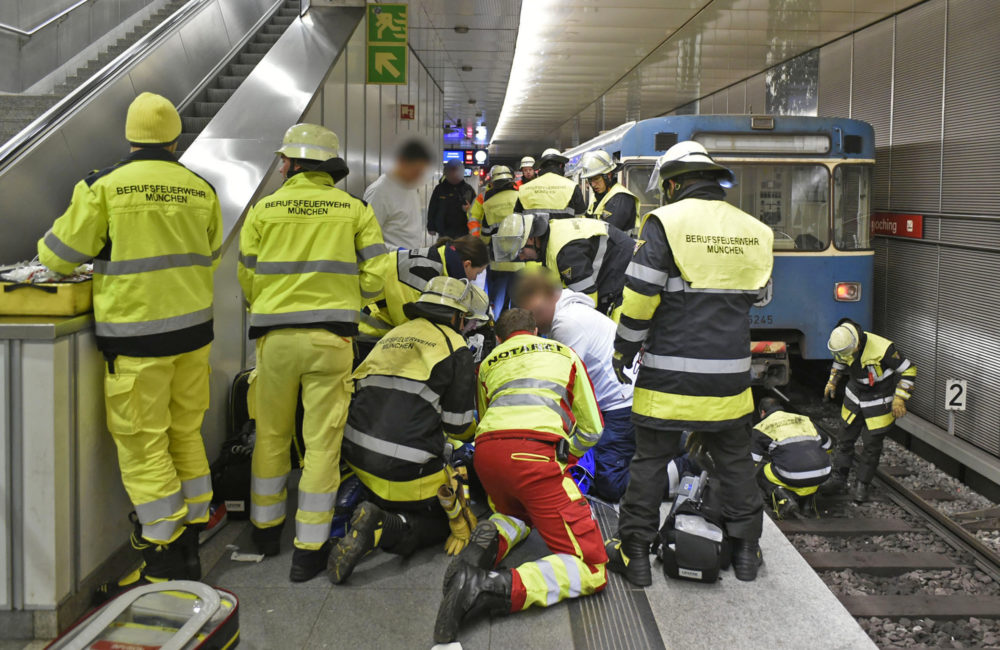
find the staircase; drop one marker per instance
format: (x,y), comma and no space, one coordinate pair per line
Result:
(201,111)
(18,111)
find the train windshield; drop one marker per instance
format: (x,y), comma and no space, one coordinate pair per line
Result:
(793,199)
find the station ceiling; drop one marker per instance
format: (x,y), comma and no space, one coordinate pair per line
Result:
(650,56)
(467,47)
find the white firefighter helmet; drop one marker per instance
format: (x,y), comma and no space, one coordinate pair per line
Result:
(596,163)
(684,158)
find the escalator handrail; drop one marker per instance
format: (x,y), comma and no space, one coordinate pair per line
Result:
(13,148)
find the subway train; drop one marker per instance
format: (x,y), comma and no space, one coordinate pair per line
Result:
(810,179)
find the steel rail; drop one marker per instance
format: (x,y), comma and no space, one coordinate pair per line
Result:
(4,27)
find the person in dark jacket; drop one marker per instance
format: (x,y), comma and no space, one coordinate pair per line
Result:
(447,214)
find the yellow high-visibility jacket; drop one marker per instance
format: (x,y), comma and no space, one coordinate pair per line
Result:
(310,256)
(154,231)
(878,373)
(496,206)
(424,370)
(551,192)
(533,385)
(621,212)
(699,266)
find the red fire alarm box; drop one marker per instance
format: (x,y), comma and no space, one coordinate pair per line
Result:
(407,112)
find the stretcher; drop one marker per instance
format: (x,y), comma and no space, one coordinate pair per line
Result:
(174,615)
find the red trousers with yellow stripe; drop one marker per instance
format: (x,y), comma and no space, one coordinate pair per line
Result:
(528,487)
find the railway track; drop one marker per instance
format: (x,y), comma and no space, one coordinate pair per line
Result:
(899,563)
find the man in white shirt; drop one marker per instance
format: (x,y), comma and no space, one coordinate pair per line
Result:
(395,200)
(570,318)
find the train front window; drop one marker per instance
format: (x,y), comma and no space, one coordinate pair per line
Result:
(852,206)
(792,199)
(636,179)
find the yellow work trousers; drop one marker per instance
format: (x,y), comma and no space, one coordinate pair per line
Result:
(319,362)
(155,406)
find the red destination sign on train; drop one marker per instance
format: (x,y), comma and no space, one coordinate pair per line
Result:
(898,225)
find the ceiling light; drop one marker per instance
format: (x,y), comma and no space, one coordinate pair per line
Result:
(461,29)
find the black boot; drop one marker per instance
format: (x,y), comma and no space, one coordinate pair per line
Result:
(808,507)
(860,492)
(267,540)
(836,484)
(471,591)
(359,541)
(189,544)
(160,562)
(307,564)
(484,544)
(747,559)
(630,558)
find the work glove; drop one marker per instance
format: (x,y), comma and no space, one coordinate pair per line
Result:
(898,407)
(695,445)
(830,392)
(454,498)
(619,364)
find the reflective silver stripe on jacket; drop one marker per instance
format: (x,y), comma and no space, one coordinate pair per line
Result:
(368,295)
(646,274)
(412,386)
(149,327)
(161,508)
(524,399)
(801,476)
(369,252)
(375,323)
(406,264)
(882,401)
(631,335)
(839,366)
(147,264)
(310,266)
(791,440)
(702,366)
(591,280)
(457,419)
(542,384)
(385,448)
(677,283)
(249,261)
(64,251)
(310,316)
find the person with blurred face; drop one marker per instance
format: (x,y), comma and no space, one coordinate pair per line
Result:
(395,200)
(448,211)
(527,167)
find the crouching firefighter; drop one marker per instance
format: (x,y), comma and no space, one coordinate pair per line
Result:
(539,414)
(793,459)
(590,256)
(416,386)
(880,380)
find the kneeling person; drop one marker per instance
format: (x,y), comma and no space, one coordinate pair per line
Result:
(792,458)
(539,413)
(416,385)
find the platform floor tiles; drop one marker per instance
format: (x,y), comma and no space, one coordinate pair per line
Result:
(390,602)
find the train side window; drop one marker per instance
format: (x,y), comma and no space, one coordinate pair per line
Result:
(852,206)
(791,199)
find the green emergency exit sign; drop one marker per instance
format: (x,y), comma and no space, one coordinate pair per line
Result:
(388,34)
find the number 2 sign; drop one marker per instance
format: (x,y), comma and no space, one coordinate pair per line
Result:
(955,394)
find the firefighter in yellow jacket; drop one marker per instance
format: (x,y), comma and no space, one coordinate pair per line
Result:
(425,370)
(538,415)
(698,269)
(590,256)
(550,191)
(154,231)
(880,381)
(310,255)
(611,201)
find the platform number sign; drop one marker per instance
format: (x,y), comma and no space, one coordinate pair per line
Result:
(955,394)
(388,38)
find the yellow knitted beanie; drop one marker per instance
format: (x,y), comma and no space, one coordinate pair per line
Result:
(152,119)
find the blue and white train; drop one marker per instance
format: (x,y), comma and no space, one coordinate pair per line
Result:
(809,179)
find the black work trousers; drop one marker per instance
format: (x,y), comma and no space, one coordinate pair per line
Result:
(742,507)
(407,531)
(871,450)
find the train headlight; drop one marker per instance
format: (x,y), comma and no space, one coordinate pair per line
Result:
(847,291)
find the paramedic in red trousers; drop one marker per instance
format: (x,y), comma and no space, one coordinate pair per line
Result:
(538,415)
(699,266)
(154,231)
(569,317)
